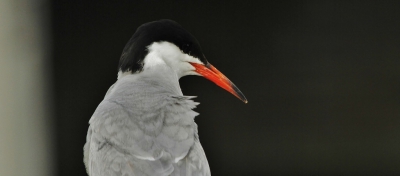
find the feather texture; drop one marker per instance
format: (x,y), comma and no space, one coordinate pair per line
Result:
(144,127)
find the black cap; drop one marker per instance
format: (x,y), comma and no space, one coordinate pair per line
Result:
(163,30)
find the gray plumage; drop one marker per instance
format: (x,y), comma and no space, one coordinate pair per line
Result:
(145,126)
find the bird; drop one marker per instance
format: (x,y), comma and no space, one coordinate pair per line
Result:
(145,126)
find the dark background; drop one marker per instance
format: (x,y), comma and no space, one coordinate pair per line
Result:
(322,80)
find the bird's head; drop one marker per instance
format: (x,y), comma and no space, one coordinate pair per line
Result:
(171,44)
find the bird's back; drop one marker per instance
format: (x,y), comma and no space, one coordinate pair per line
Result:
(143,128)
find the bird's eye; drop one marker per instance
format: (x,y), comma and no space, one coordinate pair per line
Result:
(186,47)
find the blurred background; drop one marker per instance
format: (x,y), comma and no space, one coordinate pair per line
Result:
(322,79)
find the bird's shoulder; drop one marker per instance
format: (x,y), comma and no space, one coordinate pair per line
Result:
(145,107)
(145,125)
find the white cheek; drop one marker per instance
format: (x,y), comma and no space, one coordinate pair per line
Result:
(165,53)
(186,69)
(152,60)
(170,53)
(192,59)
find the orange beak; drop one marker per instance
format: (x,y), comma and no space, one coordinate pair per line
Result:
(211,73)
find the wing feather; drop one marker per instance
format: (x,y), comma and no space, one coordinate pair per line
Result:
(194,164)
(142,137)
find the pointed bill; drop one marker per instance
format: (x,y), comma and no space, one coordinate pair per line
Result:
(211,73)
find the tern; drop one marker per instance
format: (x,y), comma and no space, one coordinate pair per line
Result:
(145,125)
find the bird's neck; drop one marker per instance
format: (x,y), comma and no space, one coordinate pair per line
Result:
(158,74)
